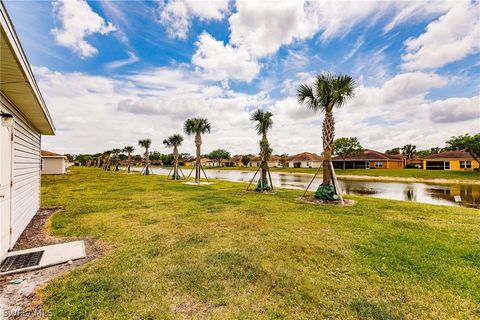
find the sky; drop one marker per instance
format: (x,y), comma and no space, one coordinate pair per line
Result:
(115,72)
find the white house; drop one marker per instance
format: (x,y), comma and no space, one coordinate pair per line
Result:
(24,118)
(304,160)
(53,163)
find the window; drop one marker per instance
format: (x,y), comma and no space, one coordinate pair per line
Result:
(465,164)
(378,164)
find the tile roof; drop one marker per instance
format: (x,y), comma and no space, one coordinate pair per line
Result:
(45,153)
(369,155)
(305,156)
(457,154)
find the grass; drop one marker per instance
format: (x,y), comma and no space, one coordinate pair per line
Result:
(400,173)
(183,252)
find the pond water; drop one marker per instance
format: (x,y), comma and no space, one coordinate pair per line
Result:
(443,194)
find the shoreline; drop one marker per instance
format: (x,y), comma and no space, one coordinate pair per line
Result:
(373,178)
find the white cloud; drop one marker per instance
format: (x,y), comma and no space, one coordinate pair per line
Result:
(176,15)
(223,62)
(78,20)
(132,58)
(455,110)
(452,37)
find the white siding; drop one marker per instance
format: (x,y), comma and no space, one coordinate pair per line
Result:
(26,172)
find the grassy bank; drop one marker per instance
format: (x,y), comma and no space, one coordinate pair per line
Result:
(400,173)
(219,252)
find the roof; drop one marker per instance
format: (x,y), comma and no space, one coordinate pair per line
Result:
(305,156)
(369,155)
(48,154)
(457,154)
(18,84)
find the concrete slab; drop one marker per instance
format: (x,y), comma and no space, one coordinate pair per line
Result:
(52,255)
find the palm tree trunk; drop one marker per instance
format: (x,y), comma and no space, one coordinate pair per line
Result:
(147,162)
(198,143)
(328,133)
(129,162)
(175,163)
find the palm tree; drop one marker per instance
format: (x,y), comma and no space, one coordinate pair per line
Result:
(146,143)
(129,150)
(327,91)
(197,126)
(116,157)
(106,157)
(409,151)
(174,141)
(264,123)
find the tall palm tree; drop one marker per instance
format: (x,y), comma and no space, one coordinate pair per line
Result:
(409,151)
(174,141)
(264,123)
(325,93)
(116,157)
(197,126)
(106,158)
(146,143)
(129,150)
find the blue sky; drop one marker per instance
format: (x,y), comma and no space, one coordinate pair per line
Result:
(115,72)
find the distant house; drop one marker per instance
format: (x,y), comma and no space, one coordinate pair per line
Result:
(24,117)
(415,162)
(369,159)
(304,160)
(450,160)
(254,161)
(53,163)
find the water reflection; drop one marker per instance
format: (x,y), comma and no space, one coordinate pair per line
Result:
(417,192)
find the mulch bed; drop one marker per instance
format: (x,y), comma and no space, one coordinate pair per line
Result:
(22,296)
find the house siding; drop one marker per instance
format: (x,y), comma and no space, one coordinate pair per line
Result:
(454,164)
(26,172)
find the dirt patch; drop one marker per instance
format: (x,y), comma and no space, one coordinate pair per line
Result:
(263,192)
(313,200)
(19,300)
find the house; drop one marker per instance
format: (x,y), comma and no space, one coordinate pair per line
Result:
(451,160)
(415,162)
(24,118)
(369,159)
(53,163)
(304,160)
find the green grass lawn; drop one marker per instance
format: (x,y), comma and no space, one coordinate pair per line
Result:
(219,252)
(401,173)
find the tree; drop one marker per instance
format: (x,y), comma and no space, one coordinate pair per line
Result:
(345,147)
(409,151)
(146,143)
(197,127)
(219,155)
(106,157)
(116,158)
(393,151)
(283,160)
(174,141)
(466,142)
(264,123)
(129,150)
(324,94)
(245,160)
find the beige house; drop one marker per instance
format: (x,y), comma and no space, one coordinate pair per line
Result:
(53,163)
(24,117)
(304,160)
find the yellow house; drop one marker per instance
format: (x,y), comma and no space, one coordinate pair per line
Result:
(451,160)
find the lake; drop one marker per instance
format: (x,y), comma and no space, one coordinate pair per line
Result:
(442,194)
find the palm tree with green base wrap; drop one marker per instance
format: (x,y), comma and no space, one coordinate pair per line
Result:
(129,150)
(324,94)
(146,143)
(174,141)
(197,127)
(264,123)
